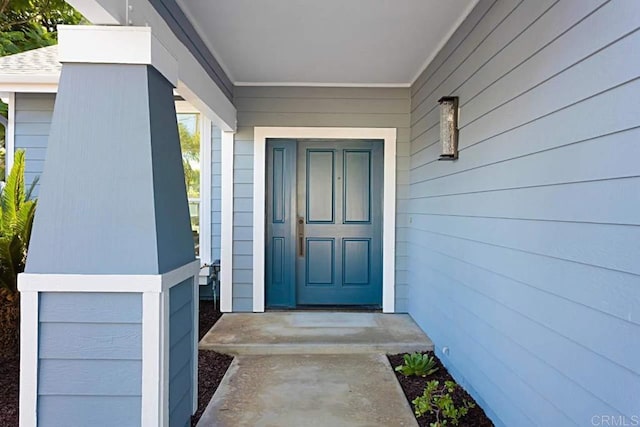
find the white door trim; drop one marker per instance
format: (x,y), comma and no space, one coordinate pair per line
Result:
(260,136)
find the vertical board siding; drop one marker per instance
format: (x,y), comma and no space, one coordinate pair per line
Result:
(522,255)
(33,119)
(174,237)
(181,357)
(313,107)
(90,361)
(32,122)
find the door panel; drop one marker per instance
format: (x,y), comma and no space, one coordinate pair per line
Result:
(320,174)
(278,198)
(281,216)
(356,261)
(339,192)
(357,186)
(320,262)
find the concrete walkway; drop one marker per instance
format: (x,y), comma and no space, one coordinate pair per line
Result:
(311,369)
(315,333)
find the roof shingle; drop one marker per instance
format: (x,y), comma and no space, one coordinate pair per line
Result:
(42,61)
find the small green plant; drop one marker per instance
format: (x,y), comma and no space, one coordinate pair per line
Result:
(417,364)
(437,400)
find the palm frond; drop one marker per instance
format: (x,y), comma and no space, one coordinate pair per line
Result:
(16,223)
(24,220)
(13,195)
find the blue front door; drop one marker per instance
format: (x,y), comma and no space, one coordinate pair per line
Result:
(324,243)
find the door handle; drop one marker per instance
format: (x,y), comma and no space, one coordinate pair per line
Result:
(300,232)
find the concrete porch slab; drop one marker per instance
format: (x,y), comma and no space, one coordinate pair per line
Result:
(315,333)
(354,390)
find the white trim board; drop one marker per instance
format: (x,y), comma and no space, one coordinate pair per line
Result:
(29,359)
(205,190)
(100,44)
(323,84)
(226,223)
(20,87)
(152,333)
(10,135)
(184,107)
(33,282)
(260,136)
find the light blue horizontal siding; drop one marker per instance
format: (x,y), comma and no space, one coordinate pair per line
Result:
(91,411)
(322,107)
(181,357)
(216,192)
(243,229)
(85,308)
(90,377)
(90,351)
(32,122)
(523,253)
(96,340)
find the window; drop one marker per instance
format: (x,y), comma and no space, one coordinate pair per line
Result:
(189,130)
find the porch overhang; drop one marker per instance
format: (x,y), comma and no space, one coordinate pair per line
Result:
(193,82)
(292,43)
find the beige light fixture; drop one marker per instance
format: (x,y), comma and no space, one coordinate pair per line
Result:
(449,127)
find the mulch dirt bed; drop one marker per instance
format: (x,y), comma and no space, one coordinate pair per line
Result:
(209,315)
(9,382)
(414,386)
(211,365)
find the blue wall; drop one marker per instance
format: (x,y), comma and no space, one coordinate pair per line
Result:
(181,353)
(216,191)
(523,254)
(32,126)
(314,107)
(206,292)
(108,206)
(90,347)
(34,112)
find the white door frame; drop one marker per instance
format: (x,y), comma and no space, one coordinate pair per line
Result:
(260,136)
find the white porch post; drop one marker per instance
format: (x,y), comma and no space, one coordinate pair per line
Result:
(109,295)
(226,243)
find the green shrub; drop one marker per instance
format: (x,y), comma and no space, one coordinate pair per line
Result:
(417,364)
(437,400)
(16,222)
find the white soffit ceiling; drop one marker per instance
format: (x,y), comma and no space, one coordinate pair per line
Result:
(325,42)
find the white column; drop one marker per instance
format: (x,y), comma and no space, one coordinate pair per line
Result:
(226,250)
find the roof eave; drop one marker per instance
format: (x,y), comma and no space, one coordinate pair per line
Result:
(42,83)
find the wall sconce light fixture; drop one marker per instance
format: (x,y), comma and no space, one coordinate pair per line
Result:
(449,127)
